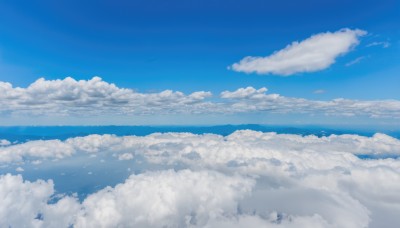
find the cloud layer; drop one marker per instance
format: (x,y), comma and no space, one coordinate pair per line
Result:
(95,97)
(315,53)
(248,178)
(68,97)
(257,100)
(187,147)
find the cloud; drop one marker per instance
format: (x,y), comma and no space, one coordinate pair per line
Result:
(25,204)
(355,61)
(248,178)
(243,93)
(319,91)
(4,142)
(182,146)
(94,96)
(51,149)
(315,53)
(252,100)
(384,44)
(167,198)
(125,156)
(97,98)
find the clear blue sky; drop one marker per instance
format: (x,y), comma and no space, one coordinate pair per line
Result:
(187,45)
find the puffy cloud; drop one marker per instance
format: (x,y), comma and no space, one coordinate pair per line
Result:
(4,142)
(243,93)
(125,156)
(190,147)
(168,198)
(25,204)
(247,178)
(155,199)
(51,149)
(90,97)
(95,97)
(257,100)
(315,53)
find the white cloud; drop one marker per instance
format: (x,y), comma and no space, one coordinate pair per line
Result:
(25,204)
(96,98)
(190,147)
(319,91)
(91,97)
(168,198)
(51,149)
(4,142)
(125,156)
(315,53)
(245,93)
(252,100)
(384,44)
(355,61)
(247,178)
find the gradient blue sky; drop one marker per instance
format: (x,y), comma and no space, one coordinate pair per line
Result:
(187,45)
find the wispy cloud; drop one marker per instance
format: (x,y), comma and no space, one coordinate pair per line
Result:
(384,44)
(312,54)
(319,91)
(355,61)
(257,100)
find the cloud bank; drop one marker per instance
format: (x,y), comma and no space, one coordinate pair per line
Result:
(248,178)
(187,147)
(315,53)
(257,100)
(69,97)
(95,97)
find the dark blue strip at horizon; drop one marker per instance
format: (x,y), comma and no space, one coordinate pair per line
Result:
(374,157)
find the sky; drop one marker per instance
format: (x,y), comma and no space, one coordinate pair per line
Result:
(200,62)
(330,62)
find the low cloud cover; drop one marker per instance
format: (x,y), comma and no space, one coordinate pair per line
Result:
(72,97)
(248,178)
(315,53)
(95,97)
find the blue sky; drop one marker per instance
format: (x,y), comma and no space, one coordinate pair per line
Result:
(187,46)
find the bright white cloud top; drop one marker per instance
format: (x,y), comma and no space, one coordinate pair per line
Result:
(63,97)
(315,53)
(247,178)
(95,97)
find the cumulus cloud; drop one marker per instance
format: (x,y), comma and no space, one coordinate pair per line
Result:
(4,142)
(125,156)
(25,204)
(168,198)
(95,97)
(91,97)
(257,100)
(315,53)
(170,147)
(248,178)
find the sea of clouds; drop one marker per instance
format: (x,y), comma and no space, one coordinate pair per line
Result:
(246,179)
